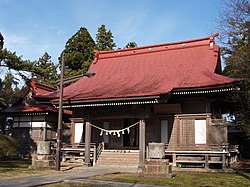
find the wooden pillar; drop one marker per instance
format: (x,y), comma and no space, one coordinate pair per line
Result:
(206,161)
(223,161)
(87,143)
(142,142)
(174,159)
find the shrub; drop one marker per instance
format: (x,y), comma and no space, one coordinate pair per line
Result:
(8,146)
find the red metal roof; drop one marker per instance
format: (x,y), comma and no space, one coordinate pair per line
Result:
(150,71)
(38,108)
(39,88)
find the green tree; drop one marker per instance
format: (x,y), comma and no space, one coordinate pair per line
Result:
(104,39)
(1,41)
(131,45)
(8,146)
(10,60)
(2,100)
(234,24)
(9,93)
(79,53)
(45,70)
(8,96)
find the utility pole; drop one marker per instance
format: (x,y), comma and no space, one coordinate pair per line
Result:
(59,127)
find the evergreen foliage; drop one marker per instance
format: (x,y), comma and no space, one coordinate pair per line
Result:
(104,39)
(10,60)
(45,70)
(79,53)
(9,94)
(8,146)
(131,45)
(2,100)
(234,24)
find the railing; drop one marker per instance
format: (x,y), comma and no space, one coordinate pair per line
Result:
(219,122)
(99,150)
(211,147)
(77,151)
(200,155)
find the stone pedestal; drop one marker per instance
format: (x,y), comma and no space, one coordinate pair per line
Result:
(43,158)
(157,168)
(43,161)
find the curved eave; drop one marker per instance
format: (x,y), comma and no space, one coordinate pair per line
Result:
(235,86)
(109,101)
(151,99)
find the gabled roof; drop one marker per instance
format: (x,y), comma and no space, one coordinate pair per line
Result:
(39,88)
(38,108)
(150,71)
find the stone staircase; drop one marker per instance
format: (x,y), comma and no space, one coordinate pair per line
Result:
(119,158)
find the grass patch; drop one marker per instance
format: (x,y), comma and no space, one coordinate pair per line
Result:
(187,179)
(65,184)
(15,168)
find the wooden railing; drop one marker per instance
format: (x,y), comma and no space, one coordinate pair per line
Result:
(99,150)
(219,122)
(211,147)
(201,155)
(77,151)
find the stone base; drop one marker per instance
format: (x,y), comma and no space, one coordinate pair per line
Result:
(156,168)
(43,161)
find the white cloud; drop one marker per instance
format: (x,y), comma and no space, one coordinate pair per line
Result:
(129,29)
(12,40)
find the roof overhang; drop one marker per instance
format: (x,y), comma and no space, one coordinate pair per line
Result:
(209,89)
(110,102)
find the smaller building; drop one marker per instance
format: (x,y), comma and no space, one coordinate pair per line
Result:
(33,122)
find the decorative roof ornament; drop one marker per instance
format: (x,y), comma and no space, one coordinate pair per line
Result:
(97,53)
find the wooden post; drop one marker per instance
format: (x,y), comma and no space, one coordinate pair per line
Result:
(206,161)
(59,124)
(174,159)
(87,143)
(142,143)
(223,161)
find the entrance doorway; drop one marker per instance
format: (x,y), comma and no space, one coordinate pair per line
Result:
(131,139)
(164,131)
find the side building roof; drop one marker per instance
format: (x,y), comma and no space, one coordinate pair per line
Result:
(33,109)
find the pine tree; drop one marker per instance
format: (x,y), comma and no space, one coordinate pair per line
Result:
(2,100)
(45,70)
(79,53)
(234,24)
(9,93)
(131,45)
(104,39)
(1,41)
(10,60)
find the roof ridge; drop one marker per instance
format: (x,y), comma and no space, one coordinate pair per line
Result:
(210,37)
(156,47)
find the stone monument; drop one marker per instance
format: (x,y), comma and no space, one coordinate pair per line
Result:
(156,165)
(43,158)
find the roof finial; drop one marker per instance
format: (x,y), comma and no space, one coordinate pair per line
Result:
(97,53)
(212,40)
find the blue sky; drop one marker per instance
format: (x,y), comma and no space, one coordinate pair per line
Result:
(32,27)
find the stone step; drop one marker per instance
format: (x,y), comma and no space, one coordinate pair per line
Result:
(121,158)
